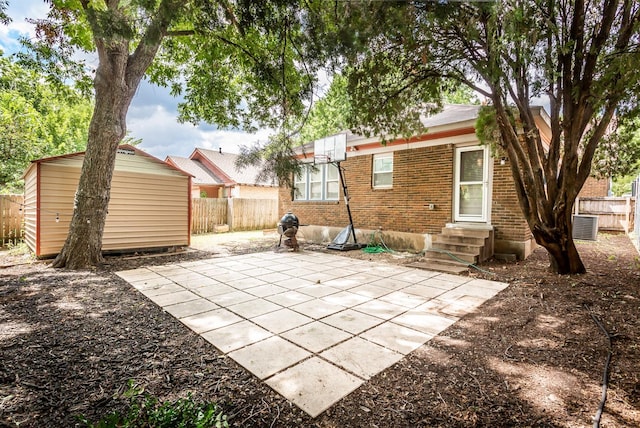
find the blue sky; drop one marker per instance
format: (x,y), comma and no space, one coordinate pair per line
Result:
(153,112)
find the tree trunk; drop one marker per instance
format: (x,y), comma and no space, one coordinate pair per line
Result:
(564,258)
(83,246)
(117,78)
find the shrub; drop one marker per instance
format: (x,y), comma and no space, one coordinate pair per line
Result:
(145,411)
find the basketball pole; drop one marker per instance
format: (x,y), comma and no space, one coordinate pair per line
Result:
(346,201)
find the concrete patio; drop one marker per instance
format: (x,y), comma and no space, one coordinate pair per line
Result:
(313,326)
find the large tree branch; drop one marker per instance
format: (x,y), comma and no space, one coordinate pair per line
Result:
(599,131)
(181,33)
(598,43)
(148,46)
(554,73)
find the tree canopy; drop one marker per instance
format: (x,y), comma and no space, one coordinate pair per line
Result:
(37,119)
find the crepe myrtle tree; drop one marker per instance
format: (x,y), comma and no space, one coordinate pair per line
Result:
(581,59)
(236,64)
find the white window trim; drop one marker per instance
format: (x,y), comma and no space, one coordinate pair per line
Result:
(326,183)
(373,170)
(306,173)
(297,181)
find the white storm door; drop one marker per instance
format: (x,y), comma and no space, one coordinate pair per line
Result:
(471,184)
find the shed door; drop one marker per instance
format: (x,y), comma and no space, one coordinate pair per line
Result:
(471,184)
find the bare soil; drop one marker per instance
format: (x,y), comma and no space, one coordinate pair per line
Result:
(532,356)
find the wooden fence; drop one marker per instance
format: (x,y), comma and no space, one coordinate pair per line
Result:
(11,219)
(614,213)
(253,214)
(208,214)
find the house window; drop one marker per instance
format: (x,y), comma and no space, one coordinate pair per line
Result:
(383,171)
(332,187)
(317,183)
(300,185)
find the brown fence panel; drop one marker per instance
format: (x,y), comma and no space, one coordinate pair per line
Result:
(11,219)
(254,214)
(614,213)
(206,213)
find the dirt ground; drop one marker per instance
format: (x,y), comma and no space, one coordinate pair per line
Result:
(532,356)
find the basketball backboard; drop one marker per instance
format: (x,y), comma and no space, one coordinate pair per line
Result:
(330,149)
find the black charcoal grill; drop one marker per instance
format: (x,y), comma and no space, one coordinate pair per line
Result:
(288,227)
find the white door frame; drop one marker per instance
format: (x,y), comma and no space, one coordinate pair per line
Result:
(484,216)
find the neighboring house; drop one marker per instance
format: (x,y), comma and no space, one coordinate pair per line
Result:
(595,188)
(438,190)
(204,183)
(149,207)
(231,182)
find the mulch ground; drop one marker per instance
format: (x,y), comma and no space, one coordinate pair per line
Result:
(533,356)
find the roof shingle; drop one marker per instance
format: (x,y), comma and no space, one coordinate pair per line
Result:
(201,175)
(227,164)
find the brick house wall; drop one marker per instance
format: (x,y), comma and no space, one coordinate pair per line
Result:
(594,188)
(511,231)
(403,208)
(421,176)
(421,201)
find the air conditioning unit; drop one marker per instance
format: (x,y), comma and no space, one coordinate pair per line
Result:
(585,227)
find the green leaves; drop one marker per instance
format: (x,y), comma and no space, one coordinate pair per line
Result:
(618,154)
(4,18)
(329,115)
(251,72)
(37,119)
(144,410)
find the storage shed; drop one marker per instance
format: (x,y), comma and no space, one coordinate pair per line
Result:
(150,205)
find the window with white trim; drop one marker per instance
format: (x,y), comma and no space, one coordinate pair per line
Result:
(332,183)
(317,183)
(383,171)
(300,185)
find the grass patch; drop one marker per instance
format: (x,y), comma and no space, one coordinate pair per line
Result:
(145,411)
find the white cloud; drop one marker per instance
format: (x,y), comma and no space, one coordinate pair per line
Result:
(18,27)
(162,135)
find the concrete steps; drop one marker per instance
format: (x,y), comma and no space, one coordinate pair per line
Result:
(456,247)
(440,266)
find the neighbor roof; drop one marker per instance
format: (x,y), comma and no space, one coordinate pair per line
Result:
(201,175)
(226,162)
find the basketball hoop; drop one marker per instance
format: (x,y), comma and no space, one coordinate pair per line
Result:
(321,159)
(330,149)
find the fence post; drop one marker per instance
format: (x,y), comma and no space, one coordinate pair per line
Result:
(230,216)
(627,212)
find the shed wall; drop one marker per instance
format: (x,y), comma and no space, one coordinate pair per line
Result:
(152,213)
(57,189)
(30,207)
(149,205)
